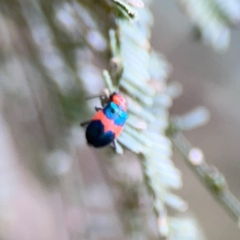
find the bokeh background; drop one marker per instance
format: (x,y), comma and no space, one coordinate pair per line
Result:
(212,80)
(53,186)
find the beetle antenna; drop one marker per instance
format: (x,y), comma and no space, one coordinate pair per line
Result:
(95,96)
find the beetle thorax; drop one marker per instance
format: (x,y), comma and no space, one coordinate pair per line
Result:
(119,100)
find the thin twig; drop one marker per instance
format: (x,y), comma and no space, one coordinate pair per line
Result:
(209,175)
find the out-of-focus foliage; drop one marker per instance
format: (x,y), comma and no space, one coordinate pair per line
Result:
(213,20)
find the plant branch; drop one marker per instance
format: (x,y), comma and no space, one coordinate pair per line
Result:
(209,175)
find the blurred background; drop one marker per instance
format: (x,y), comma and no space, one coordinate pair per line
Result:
(212,80)
(53,186)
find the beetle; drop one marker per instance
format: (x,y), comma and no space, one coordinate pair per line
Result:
(107,124)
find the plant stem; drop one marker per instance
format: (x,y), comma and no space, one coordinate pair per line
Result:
(209,175)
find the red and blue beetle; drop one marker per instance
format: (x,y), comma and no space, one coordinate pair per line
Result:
(107,124)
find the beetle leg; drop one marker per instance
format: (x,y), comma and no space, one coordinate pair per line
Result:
(117,148)
(85,123)
(98,108)
(96,96)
